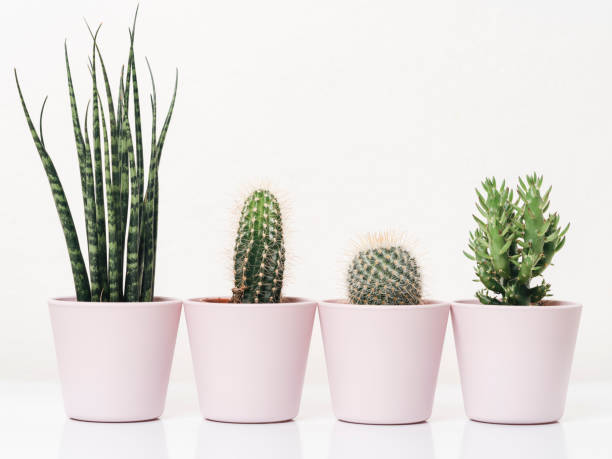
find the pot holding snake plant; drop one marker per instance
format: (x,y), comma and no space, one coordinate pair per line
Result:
(114,338)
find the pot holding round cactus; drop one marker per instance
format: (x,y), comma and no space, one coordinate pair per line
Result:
(114,339)
(249,350)
(383,344)
(514,347)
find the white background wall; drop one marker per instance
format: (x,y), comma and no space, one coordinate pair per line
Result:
(368,114)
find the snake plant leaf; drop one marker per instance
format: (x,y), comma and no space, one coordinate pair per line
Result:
(131,276)
(153,108)
(164,131)
(137,126)
(114,282)
(87,184)
(124,174)
(90,216)
(120,214)
(98,182)
(147,234)
(79,272)
(40,121)
(115,249)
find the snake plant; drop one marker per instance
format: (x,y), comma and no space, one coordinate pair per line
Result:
(118,207)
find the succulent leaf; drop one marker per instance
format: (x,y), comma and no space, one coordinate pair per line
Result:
(515,243)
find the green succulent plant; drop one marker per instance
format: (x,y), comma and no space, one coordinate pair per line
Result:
(259,252)
(515,241)
(118,207)
(384,272)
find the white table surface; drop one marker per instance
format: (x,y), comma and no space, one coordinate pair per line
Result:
(33,425)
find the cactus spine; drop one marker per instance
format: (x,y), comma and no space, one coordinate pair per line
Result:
(514,242)
(384,272)
(259,252)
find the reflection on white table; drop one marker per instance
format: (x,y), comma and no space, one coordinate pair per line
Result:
(485,441)
(33,425)
(220,440)
(359,441)
(93,440)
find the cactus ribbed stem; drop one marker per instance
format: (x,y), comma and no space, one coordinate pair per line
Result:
(384,275)
(259,253)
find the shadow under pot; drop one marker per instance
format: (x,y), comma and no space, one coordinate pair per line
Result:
(114,359)
(383,361)
(515,361)
(249,359)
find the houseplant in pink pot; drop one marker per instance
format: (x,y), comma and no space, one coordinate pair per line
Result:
(383,344)
(515,348)
(114,340)
(249,351)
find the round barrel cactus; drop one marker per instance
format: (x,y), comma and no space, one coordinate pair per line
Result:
(384,273)
(259,252)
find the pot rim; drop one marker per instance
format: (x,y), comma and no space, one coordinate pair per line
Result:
(209,301)
(549,305)
(71,302)
(343,304)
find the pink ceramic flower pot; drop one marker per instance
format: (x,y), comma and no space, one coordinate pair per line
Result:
(383,361)
(249,359)
(515,361)
(114,358)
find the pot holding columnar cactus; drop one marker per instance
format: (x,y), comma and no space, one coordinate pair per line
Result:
(114,339)
(250,349)
(384,342)
(514,347)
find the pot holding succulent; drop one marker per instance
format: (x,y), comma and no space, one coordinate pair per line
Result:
(115,340)
(250,350)
(383,344)
(514,348)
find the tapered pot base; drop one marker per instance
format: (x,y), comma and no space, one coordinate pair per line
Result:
(374,423)
(114,359)
(383,361)
(235,421)
(515,361)
(249,359)
(514,423)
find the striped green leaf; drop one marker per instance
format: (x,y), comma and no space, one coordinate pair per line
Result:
(79,272)
(90,216)
(121,216)
(114,279)
(99,185)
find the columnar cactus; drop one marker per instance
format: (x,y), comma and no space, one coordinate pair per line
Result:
(515,242)
(259,252)
(383,272)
